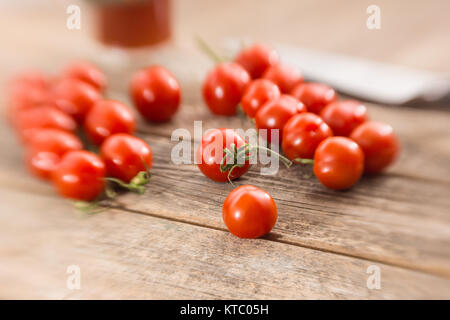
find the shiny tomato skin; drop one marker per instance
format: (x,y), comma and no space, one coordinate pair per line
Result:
(344,116)
(338,163)
(79,176)
(75,97)
(45,149)
(42,117)
(258,93)
(86,72)
(108,117)
(284,76)
(249,212)
(302,134)
(256,59)
(209,160)
(223,88)
(275,114)
(315,96)
(379,144)
(125,156)
(156,93)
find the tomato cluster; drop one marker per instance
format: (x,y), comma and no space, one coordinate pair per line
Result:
(48,114)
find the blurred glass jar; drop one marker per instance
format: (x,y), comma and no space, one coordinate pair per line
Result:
(133,23)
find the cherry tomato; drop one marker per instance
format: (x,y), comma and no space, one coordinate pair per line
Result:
(275,113)
(258,93)
(284,76)
(338,163)
(43,117)
(107,117)
(256,59)
(302,134)
(212,150)
(33,78)
(314,95)
(45,149)
(379,144)
(75,97)
(344,116)
(88,73)
(125,156)
(249,212)
(79,176)
(223,88)
(156,93)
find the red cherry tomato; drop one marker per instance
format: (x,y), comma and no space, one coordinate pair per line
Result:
(156,93)
(379,144)
(79,176)
(88,73)
(338,163)
(212,150)
(258,93)
(344,116)
(249,212)
(275,113)
(33,78)
(108,117)
(75,97)
(302,134)
(125,156)
(315,96)
(256,59)
(44,117)
(223,88)
(45,149)
(284,76)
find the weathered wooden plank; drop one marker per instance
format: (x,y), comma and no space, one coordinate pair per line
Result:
(125,255)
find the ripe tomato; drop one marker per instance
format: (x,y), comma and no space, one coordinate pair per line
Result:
(212,150)
(338,163)
(156,93)
(258,93)
(275,113)
(249,212)
(256,59)
(125,156)
(315,96)
(284,76)
(45,149)
(108,117)
(88,73)
(344,116)
(79,176)
(223,88)
(379,144)
(33,78)
(75,97)
(302,134)
(43,117)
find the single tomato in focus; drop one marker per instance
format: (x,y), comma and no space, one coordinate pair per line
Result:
(249,212)
(125,156)
(315,96)
(223,88)
(256,59)
(379,144)
(80,176)
(284,76)
(275,114)
(344,116)
(302,134)
(156,93)
(108,117)
(258,93)
(338,163)
(211,152)
(86,72)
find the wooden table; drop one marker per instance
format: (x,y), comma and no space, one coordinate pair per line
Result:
(171,242)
